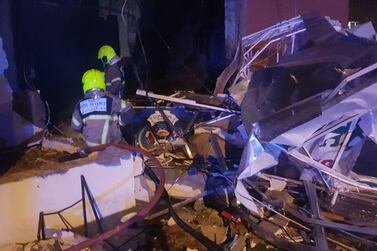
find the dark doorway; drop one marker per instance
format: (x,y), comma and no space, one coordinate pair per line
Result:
(184,43)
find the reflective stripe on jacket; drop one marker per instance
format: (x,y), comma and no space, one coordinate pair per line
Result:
(97,117)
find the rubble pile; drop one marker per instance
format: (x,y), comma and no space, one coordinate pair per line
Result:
(58,241)
(276,147)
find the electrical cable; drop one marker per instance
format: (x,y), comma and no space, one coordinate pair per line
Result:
(210,245)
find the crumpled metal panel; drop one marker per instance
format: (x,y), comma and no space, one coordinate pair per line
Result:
(316,105)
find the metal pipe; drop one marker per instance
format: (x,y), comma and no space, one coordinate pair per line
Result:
(349,79)
(141,214)
(92,203)
(85,218)
(268,44)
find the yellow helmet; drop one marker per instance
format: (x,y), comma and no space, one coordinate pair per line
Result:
(93,79)
(106,53)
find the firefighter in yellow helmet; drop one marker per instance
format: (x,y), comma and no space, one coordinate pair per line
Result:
(114,70)
(98,116)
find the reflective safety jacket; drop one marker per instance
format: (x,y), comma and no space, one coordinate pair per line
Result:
(96,116)
(114,78)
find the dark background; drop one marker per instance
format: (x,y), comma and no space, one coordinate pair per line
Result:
(363,11)
(57,41)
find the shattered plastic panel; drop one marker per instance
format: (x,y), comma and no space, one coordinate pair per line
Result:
(287,107)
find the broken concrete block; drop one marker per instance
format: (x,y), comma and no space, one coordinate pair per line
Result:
(171,222)
(214,233)
(277,185)
(59,146)
(199,205)
(276,226)
(143,189)
(111,156)
(112,188)
(139,164)
(277,195)
(44,245)
(12,247)
(180,185)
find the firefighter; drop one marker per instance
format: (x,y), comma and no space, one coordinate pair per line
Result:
(114,71)
(98,116)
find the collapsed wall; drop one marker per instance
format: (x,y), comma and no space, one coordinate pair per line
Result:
(57,186)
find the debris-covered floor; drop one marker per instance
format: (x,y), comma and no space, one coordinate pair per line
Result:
(272,163)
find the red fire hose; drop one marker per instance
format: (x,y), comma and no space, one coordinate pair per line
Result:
(141,214)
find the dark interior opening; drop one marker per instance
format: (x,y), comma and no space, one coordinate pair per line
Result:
(363,11)
(56,41)
(184,43)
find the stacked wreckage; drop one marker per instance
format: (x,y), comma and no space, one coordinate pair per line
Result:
(301,102)
(283,138)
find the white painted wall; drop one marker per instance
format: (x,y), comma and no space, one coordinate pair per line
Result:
(21,201)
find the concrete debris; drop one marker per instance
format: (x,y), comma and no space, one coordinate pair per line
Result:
(112,156)
(65,145)
(280,195)
(274,160)
(199,205)
(209,217)
(275,225)
(12,247)
(277,185)
(127,217)
(47,245)
(171,222)
(179,184)
(191,249)
(214,233)
(58,243)
(246,242)
(143,189)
